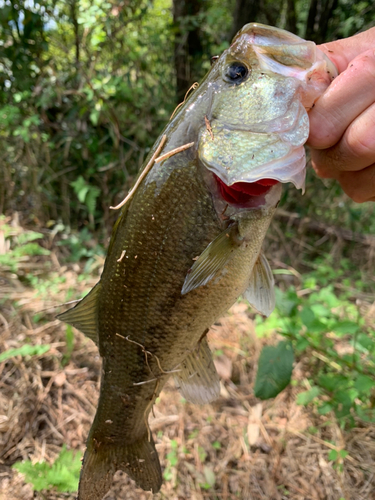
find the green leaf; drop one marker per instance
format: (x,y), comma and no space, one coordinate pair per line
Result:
(365,341)
(91,197)
(28,236)
(325,408)
(30,249)
(333,455)
(80,188)
(274,370)
(209,476)
(364,383)
(304,398)
(312,323)
(25,350)
(286,302)
(328,382)
(345,327)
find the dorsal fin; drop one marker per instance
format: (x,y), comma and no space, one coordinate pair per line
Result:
(260,292)
(212,260)
(83,316)
(197,379)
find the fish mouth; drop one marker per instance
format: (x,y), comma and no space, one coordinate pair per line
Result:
(245,194)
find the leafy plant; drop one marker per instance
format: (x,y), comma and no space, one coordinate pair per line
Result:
(80,246)
(325,328)
(69,338)
(172,461)
(19,245)
(25,350)
(63,474)
(86,194)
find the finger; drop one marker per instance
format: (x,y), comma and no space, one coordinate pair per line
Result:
(347,97)
(359,186)
(342,52)
(355,151)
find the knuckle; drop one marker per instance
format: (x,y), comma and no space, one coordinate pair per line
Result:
(359,138)
(353,192)
(358,198)
(323,130)
(366,63)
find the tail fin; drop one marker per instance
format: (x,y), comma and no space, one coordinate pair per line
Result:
(139,460)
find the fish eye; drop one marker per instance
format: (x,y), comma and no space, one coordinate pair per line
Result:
(236,72)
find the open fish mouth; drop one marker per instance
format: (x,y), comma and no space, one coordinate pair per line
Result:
(242,192)
(245,194)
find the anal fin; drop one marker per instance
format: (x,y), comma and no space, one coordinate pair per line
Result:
(83,316)
(261,293)
(198,380)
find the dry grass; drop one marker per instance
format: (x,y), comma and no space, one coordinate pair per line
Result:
(254,450)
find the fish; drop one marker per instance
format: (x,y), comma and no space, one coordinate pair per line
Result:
(188,242)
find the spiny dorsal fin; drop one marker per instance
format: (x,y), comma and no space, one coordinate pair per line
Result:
(260,292)
(198,380)
(212,260)
(83,315)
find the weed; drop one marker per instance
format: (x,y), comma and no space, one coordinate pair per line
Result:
(172,460)
(19,246)
(69,338)
(326,328)
(25,350)
(62,474)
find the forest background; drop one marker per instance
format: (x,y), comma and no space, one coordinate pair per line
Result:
(86,86)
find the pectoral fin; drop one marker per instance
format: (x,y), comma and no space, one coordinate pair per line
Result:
(260,292)
(197,379)
(213,259)
(83,315)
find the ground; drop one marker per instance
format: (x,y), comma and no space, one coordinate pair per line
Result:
(237,447)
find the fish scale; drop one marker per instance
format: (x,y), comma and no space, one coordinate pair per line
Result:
(182,252)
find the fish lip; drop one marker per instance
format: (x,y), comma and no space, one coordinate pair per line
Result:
(297,178)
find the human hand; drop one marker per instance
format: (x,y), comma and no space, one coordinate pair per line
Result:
(342,122)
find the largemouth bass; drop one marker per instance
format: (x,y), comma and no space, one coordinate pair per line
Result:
(188,242)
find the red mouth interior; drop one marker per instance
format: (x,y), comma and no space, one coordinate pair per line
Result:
(241,192)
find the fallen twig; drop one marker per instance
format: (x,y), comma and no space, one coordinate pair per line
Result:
(174,152)
(143,174)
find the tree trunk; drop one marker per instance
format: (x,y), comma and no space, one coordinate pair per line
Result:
(291,19)
(187,46)
(326,13)
(246,11)
(310,26)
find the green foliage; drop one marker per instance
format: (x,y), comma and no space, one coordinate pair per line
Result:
(86,87)
(19,245)
(275,367)
(63,474)
(81,246)
(327,328)
(69,338)
(86,194)
(172,461)
(101,78)
(25,350)
(209,478)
